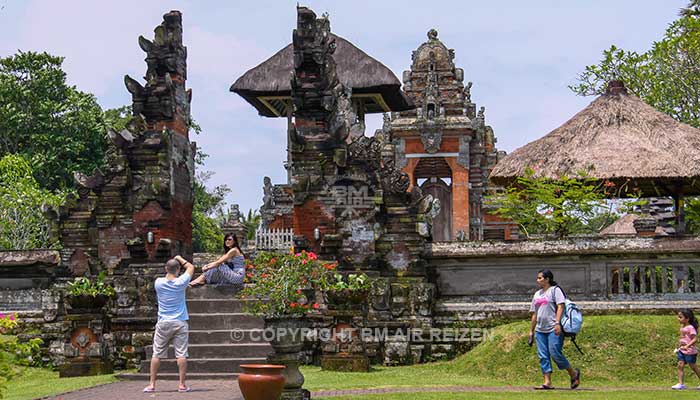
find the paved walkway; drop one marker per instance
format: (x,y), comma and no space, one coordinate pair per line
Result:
(201,390)
(222,389)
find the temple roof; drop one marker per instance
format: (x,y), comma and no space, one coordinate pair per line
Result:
(267,86)
(617,137)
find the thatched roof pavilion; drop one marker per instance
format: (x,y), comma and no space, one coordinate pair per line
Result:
(616,137)
(267,87)
(619,138)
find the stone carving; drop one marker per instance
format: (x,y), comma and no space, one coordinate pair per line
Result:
(468,92)
(268,196)
(166,59)
(400,153)
(432,139)
(463,156)
(432,34)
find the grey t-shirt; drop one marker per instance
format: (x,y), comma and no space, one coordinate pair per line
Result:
(543,306)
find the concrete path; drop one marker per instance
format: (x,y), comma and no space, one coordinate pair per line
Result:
(201,390)
(225,389)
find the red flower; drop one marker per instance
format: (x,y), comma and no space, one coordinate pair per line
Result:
(304,262)
(316,306)
(298,291)
(292,305)
(312,255)
(264,275)
(273,260)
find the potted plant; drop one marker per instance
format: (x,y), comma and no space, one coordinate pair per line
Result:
(347,292)
(84,293)
(284,285)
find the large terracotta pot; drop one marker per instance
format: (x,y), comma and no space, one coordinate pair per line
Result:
(261,381)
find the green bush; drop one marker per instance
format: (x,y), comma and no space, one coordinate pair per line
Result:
(23,225)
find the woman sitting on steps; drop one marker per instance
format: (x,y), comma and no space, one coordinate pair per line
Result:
(229,269)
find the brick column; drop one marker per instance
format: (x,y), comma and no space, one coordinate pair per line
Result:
(460,197)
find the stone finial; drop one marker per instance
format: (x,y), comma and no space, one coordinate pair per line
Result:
(432,34)
(616,86)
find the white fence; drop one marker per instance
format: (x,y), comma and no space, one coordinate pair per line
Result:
(274,239)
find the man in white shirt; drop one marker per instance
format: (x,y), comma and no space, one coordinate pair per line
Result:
(172,320)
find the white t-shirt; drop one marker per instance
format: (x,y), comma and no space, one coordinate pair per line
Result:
(544,307)
(171,298)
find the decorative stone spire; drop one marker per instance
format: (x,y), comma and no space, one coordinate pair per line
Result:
(164,96)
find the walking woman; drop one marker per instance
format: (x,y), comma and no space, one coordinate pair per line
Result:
(229,269)
(547,308)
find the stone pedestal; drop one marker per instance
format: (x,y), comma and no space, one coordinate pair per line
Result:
(287,345)
(344,350)
(86,350)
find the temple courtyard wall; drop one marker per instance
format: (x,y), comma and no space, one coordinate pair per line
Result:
(409,319)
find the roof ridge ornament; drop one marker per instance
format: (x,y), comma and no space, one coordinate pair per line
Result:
(433,34)
(616,86)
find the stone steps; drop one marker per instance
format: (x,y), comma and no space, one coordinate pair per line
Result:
(225,336)
(221,337)
(219,321)
(215,351)
(205,365)
(201,306)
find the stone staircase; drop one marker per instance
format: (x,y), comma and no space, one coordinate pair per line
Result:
(220,338)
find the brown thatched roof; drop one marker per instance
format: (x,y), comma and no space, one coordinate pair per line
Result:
(624,226)
(617,137)
(270,80)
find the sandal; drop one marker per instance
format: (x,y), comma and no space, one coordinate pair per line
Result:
(576,379)
(149,389)
(544,387)
(184,390)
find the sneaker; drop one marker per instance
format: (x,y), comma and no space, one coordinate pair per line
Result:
(678,386)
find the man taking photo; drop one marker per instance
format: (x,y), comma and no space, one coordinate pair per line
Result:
(172,320)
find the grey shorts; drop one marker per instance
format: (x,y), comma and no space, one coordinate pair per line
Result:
(176,332)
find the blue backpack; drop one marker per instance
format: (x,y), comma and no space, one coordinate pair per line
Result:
(571,319)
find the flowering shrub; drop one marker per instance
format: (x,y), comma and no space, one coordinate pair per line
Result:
(285,283)
(8,322)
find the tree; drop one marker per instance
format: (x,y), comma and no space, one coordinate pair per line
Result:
(561,206)
(57,128)
(208,211)
(251,222)
(23,225)
(666,77)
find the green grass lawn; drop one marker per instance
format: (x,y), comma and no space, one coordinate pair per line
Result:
(634,352)
(39,382)
(620,351)
(609,395)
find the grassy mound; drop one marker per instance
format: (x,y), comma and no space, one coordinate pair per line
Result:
(618,351)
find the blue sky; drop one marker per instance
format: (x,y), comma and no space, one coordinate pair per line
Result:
(520,55)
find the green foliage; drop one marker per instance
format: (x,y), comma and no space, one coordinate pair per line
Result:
(667,76)
(282,279)
(85,286)
(208,211)
(251,222)
(692,215)
(23,225)
(561,206)
(354,282)
(8,322)
(58,128)
(117,118)
(14,354)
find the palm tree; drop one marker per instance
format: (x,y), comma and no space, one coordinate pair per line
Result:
(251,222)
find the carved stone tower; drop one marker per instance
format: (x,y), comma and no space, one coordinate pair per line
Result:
(444,145)
(139,208)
